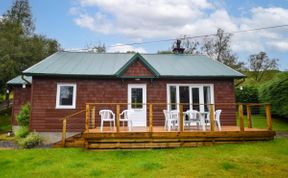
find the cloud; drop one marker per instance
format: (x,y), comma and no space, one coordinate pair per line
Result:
(125,48)
(158,19)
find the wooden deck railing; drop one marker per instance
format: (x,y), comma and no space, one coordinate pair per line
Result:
(90,115)
(64,124)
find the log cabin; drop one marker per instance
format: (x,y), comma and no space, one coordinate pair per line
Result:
(67,90)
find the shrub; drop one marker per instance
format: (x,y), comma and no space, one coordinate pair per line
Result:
(22,132)
(24,115)
(248,94)
(276,93)
(33,139)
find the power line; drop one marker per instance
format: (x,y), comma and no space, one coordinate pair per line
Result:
(196,36)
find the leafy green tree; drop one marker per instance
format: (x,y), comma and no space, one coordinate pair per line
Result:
(260,64)
(20,14)
(276,93)
(20,47)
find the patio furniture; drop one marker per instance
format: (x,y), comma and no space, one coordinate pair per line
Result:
(171,119)
(217,118)
(217,115)
(194,117)
(125,116)
(107,116)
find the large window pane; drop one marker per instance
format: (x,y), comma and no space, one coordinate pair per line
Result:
(137,98)
(184,97)
(173,100)
(66,95)
(207,97)
(195,99)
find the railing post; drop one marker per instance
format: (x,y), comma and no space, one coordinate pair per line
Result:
(64,132)
(241,120)
(268,116)
(87,117)
(150,118)
(212,115)
(181,117)
(93,117)
(248,110)
(117,118)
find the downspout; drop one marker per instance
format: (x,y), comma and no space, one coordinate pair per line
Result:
(240,82)
(22,77)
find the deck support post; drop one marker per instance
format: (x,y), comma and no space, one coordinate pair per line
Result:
(181,125)
(64,131)
(241,120)
(248,110)
(150,118)
(87,117)
(93,117)
(117,118)
(212,115)
(268,116)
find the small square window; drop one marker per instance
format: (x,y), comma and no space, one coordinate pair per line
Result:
(66,96)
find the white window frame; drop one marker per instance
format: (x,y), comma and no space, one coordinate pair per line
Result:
(59,85)
(201,94)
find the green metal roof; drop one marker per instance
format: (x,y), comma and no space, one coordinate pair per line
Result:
(19,81)
(113,64)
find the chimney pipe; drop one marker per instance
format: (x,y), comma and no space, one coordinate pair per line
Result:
(178,49)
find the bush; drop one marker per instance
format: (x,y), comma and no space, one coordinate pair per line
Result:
(248,94)
(32,140)
(22,132)
(24,115)
(276,93)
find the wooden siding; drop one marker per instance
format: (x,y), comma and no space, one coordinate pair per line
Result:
(46,118)
(21,96)
(137,69)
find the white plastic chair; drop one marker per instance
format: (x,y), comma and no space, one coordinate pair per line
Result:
(217,118)
(193,116)
(173,119)
(166,114)
(107,116)
(125,116)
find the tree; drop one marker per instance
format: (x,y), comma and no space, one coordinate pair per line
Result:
(19,46)
(20,14)
(219,48)
(260,63)
(99,48)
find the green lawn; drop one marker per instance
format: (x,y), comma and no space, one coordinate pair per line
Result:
(259,121)
(262,159)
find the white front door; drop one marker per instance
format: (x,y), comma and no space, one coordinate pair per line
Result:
(137,103)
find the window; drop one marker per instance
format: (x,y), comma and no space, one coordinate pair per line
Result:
(66,96)
(173,100)
(192,96)
(137,98)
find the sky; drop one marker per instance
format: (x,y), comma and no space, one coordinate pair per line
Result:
(77,24)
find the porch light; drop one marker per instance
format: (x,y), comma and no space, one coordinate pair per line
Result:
(7,91)
(23,85)
(241,87)
(137,79)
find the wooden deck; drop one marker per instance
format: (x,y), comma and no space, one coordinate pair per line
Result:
(141,138)
(157,137)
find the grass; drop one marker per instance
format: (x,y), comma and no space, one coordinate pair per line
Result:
(230,160)
(259,121)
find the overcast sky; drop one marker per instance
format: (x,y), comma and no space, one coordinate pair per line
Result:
(78,23)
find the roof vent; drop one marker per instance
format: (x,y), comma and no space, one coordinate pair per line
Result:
(177,49)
